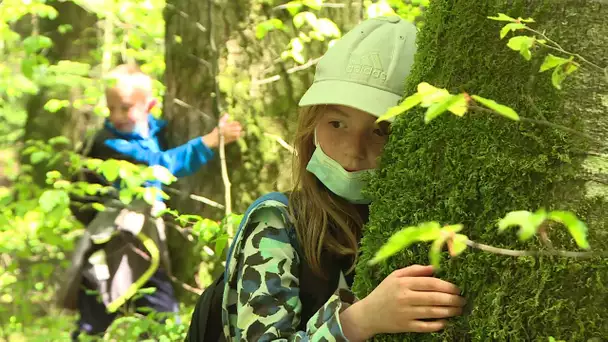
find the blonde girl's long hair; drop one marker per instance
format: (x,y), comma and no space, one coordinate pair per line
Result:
(323,221)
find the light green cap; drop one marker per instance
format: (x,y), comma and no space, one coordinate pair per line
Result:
(366,69)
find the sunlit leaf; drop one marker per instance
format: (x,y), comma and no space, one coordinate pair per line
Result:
(59,140)
(266,26)
(304,17)
(503,110)
(577,228)
(33,44)
(522,44)
(440,107)
(527,221)
(109,169)
(561,72)
(314,4)
(150,195)
(163,174)
(503,17)
(431,94)
(407,104)
(220,244)
(328,28)
(38,157)
(552,61)
(397,242)
(512,27)
(53,198)
(98,206)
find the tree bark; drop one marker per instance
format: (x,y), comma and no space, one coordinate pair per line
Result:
(473,170)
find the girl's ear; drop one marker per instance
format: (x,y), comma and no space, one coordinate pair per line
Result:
(151,104)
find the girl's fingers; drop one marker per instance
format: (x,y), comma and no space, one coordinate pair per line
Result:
(422,298)
(431,284)
(427,326)
(425,312)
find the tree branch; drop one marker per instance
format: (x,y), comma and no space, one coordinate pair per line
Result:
(519,253)
(282,143)
(275,78)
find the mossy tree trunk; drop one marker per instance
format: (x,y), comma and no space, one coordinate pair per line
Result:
(473,170)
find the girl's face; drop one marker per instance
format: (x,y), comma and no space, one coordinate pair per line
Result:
(351,137)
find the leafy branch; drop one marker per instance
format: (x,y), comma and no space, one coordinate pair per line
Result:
(562,67)
(529,223)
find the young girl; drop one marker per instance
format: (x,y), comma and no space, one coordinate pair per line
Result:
(275,292)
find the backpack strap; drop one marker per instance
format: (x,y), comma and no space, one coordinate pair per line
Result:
(279,197)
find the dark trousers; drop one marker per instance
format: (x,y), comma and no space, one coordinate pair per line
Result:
(94,319)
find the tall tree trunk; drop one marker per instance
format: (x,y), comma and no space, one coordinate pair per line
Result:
(257,88)
(473,170)
(74,45)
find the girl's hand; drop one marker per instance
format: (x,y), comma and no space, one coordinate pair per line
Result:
(408,300)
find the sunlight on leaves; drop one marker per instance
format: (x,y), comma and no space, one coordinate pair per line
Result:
(503,110)
(407,104)
(511,28)
(527,221)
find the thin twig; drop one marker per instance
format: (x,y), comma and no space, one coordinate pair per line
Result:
(218,112)
(289,71)
(188,106)
(519,253)
(546,123)
(282,143)
(186,16)
(187,287)
(197,198)
(559,48)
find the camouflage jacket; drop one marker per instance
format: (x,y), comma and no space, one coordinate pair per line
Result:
(261,295)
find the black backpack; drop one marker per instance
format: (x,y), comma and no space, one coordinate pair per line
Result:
(206,324)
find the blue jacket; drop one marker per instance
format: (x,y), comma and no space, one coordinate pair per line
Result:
(110,143)
(181,161)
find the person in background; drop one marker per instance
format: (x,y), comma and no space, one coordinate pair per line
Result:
(124,249)
(278,289)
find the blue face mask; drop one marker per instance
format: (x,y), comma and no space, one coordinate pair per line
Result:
(345,184)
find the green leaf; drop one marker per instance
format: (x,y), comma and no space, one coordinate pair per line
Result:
(150,195)
(264,27)
(38,157)
(163,174)
(54,105)
(458,244)
(397,242)
(503,110)
(407,104)
(220,244)
(146,290)
(328,28)
(314,4)
(576,227)
(528,20)
(503,17)
(561,72)
(454,228)
(293,7)
(512,27)
(64,28)
(50,199)
(304,17)
(27,67)
(59,140)
(552,61)
(126,196)
(431,94)
(428,231)
(33,44)
(435,253)
(527,221)
(439,108)
(98,206)
(523,44)
(53,175)
(109,169)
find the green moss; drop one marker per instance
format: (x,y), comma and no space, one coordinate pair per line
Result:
(473,170)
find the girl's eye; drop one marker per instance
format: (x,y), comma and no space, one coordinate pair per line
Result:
(336,124)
